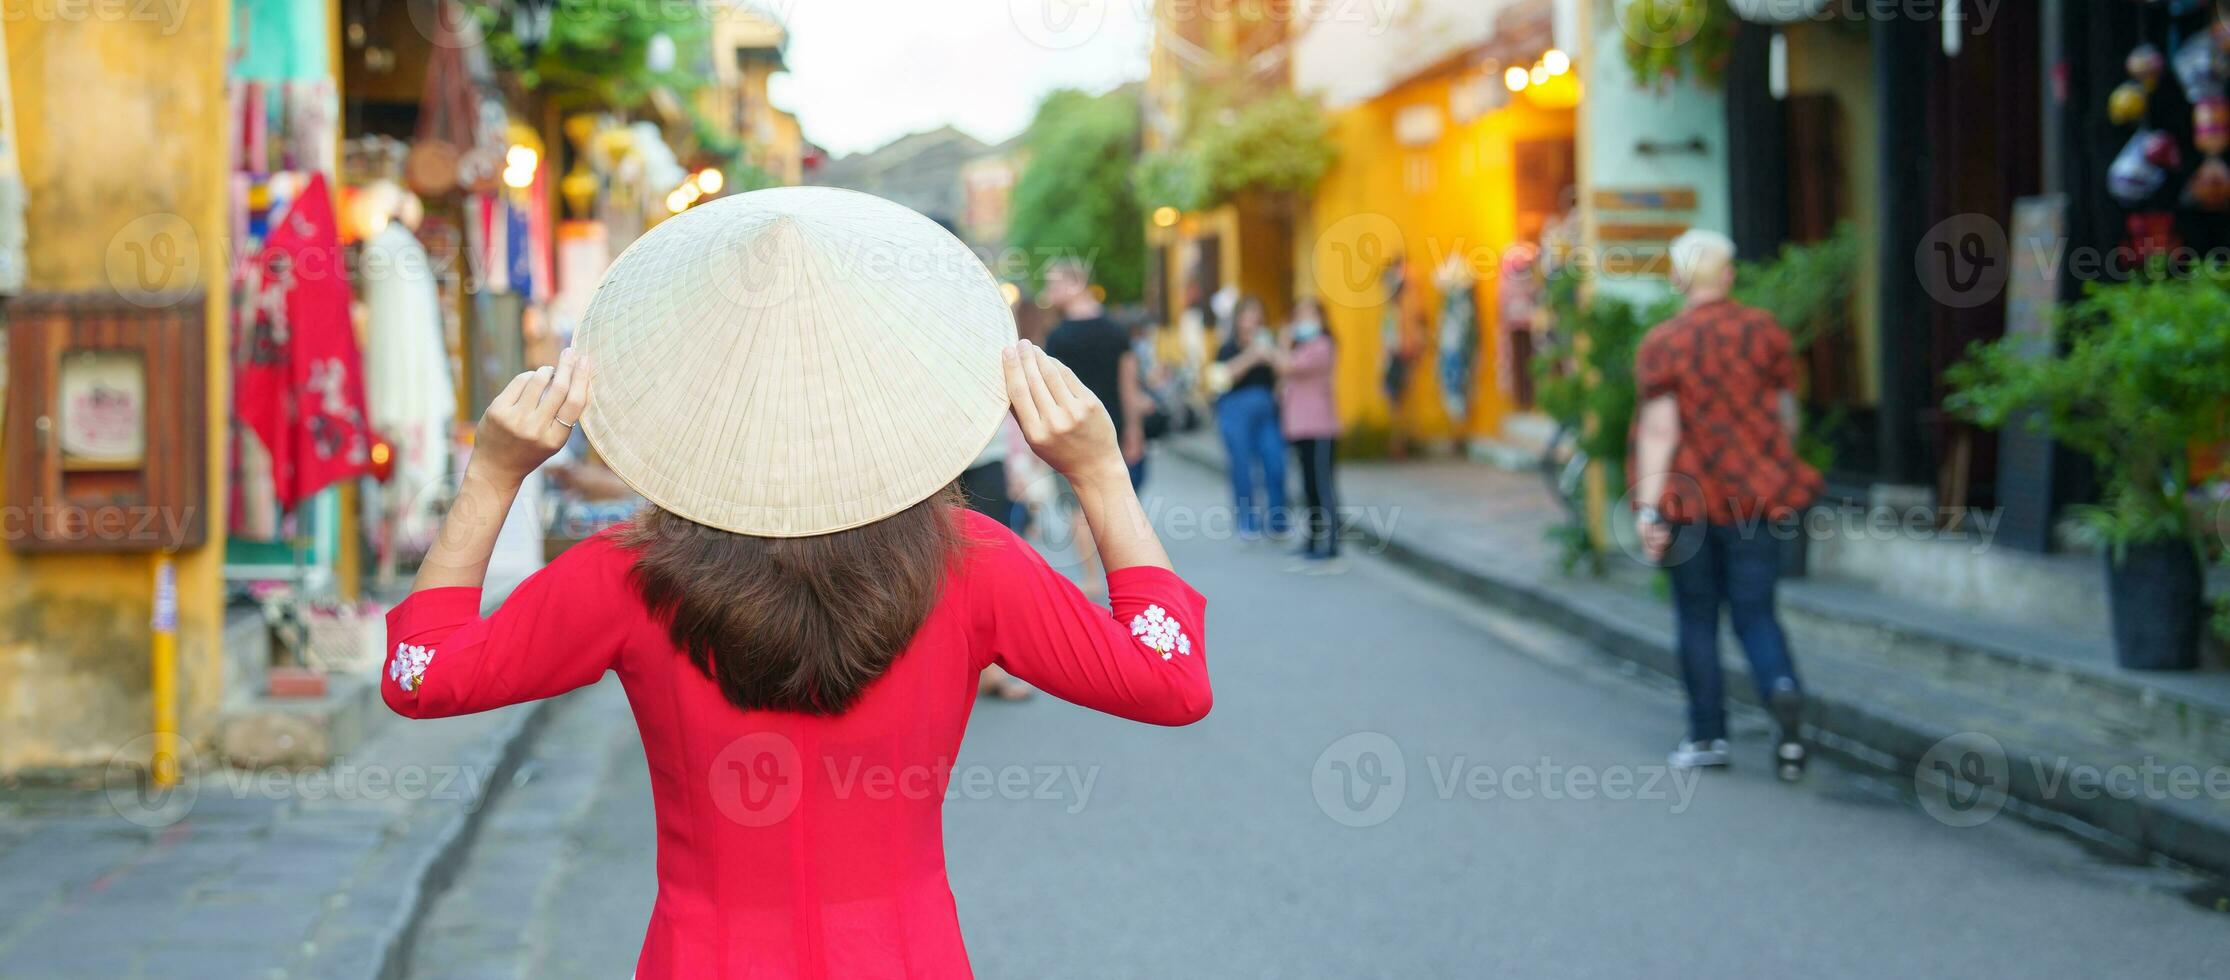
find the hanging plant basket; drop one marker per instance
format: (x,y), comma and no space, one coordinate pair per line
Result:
(1670,41)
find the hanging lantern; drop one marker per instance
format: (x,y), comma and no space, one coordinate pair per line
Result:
(2127,104)
(2210,125)
(2145,64)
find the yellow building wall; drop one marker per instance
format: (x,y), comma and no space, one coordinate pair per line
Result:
(1455,196)
(119,125)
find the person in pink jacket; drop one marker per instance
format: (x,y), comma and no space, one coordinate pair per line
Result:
(1312,428)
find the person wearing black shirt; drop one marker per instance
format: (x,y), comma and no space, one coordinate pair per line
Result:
(1099,351)
(1247,415)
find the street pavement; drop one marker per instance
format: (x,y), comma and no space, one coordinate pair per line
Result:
(1394,783)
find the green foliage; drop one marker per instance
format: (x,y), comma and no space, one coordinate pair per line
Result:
(596,54)
(1668,40)
(1806,287)
(2140,380)
(1074,195)
(1277,143)
(1586,370)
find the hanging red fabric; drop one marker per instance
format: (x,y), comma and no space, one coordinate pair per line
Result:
(301,383)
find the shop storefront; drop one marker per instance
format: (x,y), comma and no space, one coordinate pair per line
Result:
(1425,236)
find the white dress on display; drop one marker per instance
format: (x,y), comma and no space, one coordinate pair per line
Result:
(406,369)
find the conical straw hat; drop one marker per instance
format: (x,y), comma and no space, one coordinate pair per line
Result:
(794,361)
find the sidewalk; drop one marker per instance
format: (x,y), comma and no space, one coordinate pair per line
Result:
(313,873)
(2041,719)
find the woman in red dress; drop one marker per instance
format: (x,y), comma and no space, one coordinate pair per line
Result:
(777,678)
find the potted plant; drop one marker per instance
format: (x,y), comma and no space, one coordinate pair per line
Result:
(2139,381)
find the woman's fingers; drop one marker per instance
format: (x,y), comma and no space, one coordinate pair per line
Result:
(1018,392)
(1049,408)
(576,393)
(567,405)
(510,392)
(1069,380)
(530,397)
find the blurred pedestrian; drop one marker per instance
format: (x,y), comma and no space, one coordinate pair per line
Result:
(773,631)
(1099,351)
(1715,465)
(1312,427)
(1247,415)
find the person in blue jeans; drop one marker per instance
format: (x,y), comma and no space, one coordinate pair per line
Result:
(1716,481)
(1247,415)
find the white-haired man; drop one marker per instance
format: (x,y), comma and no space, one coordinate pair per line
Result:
(1715,467)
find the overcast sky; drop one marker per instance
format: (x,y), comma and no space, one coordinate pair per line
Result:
(864,72)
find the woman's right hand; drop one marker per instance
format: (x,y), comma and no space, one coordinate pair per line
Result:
(529,421)
(1064,423)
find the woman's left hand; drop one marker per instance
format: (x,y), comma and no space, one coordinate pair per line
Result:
(531,418)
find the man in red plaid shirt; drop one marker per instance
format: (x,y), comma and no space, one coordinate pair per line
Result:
(1717,483)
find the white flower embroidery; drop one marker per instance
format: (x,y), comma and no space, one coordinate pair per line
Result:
(408,667)
(1160,633)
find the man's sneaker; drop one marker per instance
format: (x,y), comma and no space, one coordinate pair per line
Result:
(1789,750)
(1697,755)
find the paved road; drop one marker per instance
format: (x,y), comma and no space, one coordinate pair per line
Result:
(1530,831)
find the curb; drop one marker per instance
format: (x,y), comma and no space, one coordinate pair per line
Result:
(1843,728)
(438,863)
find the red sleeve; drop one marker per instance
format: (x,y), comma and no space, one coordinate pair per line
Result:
(1147,660)
(560,629)
(1654,372)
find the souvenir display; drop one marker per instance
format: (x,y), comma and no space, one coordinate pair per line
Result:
(2199,67)
(2145,63)
(2132,178)
(2209,189)
(2127,104)
(2210,125)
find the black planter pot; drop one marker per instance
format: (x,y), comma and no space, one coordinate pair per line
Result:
(2155,595)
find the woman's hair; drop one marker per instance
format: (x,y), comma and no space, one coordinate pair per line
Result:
(1249,304)
(795,624)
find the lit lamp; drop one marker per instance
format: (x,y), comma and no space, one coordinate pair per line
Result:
(1516,78)
(1165,216)
(519,164)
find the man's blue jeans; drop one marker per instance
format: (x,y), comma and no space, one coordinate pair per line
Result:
(1255,449)
(1734,567)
